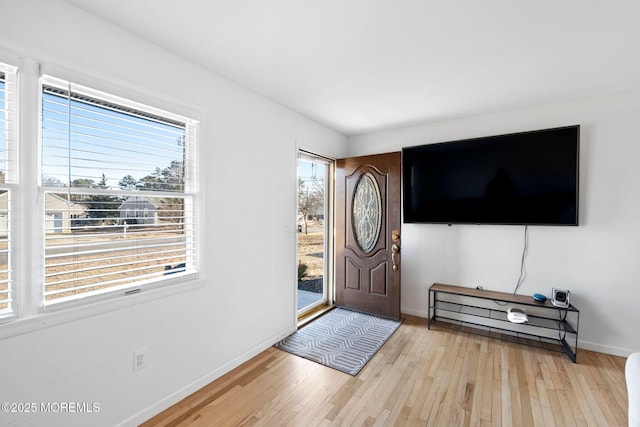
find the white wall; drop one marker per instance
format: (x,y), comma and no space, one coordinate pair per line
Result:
(598,261)
(247,159)
(246,301)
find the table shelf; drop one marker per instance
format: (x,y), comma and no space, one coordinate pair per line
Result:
(484,313)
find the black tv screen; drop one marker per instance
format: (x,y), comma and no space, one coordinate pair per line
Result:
(528,178)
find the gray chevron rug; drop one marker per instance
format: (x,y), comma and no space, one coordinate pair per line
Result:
(341,339)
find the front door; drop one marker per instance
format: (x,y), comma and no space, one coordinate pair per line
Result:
(368,234)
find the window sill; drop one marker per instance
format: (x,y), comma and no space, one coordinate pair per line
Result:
(51,318)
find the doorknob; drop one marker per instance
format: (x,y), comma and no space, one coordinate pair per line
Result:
(395,250)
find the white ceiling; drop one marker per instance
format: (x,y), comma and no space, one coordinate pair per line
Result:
(363,65)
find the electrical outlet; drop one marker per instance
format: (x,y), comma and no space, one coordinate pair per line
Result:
(139,359)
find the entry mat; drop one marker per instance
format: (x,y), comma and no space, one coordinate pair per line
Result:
(341,339)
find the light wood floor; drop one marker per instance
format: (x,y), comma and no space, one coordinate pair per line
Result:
(420,377)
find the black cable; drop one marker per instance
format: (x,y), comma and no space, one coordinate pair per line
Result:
(522,262)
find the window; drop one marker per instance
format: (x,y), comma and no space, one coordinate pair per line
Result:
(314,226)
(7,181)
(117,190)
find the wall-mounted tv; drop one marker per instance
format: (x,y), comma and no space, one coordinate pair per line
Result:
(527,178)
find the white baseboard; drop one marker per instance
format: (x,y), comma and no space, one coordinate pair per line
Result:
(606,349)
(199,383)
(417,313)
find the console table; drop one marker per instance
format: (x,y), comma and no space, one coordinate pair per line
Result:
(483,312)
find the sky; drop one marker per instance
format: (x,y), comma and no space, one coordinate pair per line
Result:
(103,141)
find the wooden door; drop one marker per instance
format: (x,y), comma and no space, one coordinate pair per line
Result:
(368,234)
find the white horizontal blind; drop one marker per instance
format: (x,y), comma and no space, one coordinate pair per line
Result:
(8,171)
(118,193)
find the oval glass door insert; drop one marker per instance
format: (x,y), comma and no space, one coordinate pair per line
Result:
(367,212)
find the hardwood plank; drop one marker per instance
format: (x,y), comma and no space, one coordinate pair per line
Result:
(420,377)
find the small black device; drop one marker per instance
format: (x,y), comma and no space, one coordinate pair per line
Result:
(560,297)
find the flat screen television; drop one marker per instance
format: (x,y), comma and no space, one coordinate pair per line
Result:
(527,178)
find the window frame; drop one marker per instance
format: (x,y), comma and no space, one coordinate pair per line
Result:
(10,184)
(188,193)
(29,313)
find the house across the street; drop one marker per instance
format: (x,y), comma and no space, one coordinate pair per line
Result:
(138,210)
